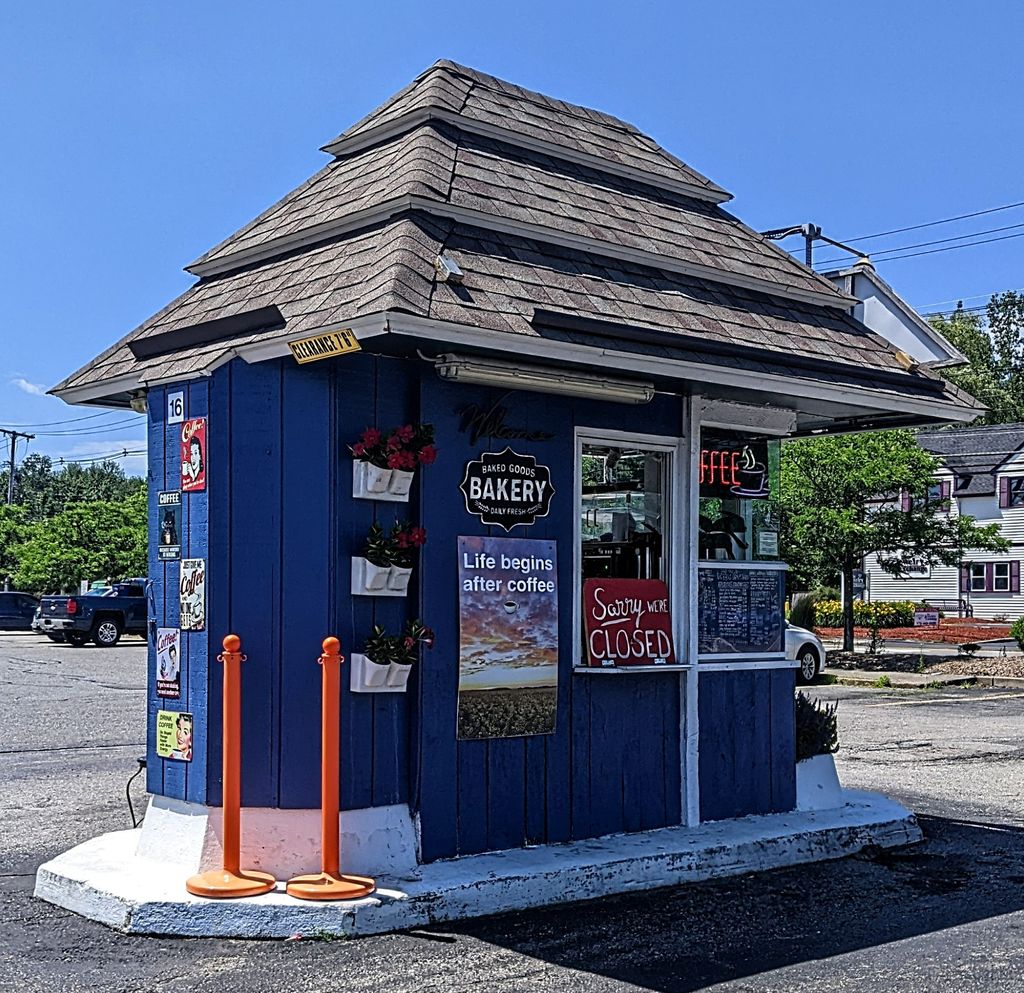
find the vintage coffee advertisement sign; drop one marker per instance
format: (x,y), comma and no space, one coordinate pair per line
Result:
(168,525)
(168,663)
(193,594)
(508,637)
(628,622)
(507,489)
(193,455)
(174,735)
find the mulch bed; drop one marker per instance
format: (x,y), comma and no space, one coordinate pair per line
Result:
(959,665)
(952,631)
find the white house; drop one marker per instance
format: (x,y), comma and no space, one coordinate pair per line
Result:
(983,476)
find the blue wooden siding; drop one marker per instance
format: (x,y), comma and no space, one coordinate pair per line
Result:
(278,527)
(747,742)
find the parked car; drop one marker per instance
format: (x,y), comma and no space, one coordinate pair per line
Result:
(102,615)
(805,647)
(16,610)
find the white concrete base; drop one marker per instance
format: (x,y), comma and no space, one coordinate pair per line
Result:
(377,840)
(105,879)
(817,784)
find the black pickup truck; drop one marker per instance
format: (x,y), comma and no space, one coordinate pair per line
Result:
(102,615)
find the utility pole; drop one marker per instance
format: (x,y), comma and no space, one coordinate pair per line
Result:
(14,436)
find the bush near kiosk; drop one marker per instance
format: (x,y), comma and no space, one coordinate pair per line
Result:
(889,613)
(1017,632)
(817,728)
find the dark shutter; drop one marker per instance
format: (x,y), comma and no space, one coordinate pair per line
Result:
(965,579)
(988,577)
(1015,576)
(944,490)
(1004,491)
(904,500)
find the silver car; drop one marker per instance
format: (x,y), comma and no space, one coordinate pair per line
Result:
(805,647)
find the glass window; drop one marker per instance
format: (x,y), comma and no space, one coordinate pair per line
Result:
(1015,491)
(978,577)
(1001,577)
(623,506)
(739,488)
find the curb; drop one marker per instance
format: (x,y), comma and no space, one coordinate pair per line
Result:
(902,680)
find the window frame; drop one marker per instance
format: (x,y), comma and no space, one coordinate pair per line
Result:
(674,542)
(996,579)
(984,573)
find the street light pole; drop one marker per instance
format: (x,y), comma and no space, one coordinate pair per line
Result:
(14,436)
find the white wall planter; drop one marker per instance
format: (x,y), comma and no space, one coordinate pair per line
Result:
(398,579)
(366,676)
(817,784)
(398,675)
(401,482)
(374,580)
(371,482)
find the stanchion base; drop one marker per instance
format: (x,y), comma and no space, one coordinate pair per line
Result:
(328,886)
(221,884)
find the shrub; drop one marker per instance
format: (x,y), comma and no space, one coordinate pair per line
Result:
(1017,632)
(801,614)
(887,613)
(817,728)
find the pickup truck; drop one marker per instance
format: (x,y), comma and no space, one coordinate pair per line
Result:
(102,615)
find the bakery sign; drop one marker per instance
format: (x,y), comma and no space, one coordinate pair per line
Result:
(507,489)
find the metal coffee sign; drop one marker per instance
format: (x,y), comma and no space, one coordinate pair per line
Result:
(507,489)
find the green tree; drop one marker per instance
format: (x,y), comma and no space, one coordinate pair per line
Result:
(994,349)
(13,529)
(45,490)
(96,540)
(841,501)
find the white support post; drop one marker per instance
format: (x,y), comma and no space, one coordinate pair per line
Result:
(689,532)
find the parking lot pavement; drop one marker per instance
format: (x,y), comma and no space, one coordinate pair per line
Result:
(945,915)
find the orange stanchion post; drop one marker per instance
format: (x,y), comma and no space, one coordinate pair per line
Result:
(329,883)
(231,881)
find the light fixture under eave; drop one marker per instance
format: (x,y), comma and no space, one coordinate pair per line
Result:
(541,379)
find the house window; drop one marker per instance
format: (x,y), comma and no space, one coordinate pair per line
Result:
(1011,491)
(1001,577)
(978,577)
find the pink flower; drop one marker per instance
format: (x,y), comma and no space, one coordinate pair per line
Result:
(395,460)
(418,536)
(427,454)
(359,449)
(371,437)
(394,443)
(409,643)
(405,432)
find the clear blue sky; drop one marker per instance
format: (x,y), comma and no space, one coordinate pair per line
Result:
(135,135)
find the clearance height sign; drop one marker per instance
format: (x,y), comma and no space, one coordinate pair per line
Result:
(627,622)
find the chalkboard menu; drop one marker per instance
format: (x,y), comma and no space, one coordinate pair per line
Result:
(740,611)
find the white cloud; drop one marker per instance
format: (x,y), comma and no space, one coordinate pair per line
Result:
(32,389)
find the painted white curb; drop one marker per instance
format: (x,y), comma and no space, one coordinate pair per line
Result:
(105,880)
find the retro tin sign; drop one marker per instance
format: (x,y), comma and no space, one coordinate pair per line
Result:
(507,489)
(192,597)
(193,455)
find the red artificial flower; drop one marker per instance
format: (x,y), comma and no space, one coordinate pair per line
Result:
(402,538)
(359,449)
(394,443)
(409,643)
(408,460)
(418,536)
(427,454)
(405,432)
(371,437)
(395,460)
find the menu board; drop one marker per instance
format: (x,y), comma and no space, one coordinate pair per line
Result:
(740,611)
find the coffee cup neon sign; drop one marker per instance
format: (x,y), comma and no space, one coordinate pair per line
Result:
(739,470)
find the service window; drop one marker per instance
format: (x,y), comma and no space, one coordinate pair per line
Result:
(739,487)
(623,507)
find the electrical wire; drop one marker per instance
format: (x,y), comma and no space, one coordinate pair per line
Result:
(932,224)
(124,453)
(101,429)
(932,251)
(70,420)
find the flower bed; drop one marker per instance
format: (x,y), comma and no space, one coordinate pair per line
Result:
(951,630)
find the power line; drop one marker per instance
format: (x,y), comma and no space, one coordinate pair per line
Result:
(936,251)
(70,420)
(112,457)
(932,224)
(100,429)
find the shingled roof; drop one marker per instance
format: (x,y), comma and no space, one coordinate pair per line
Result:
(974,455)
(554,212)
